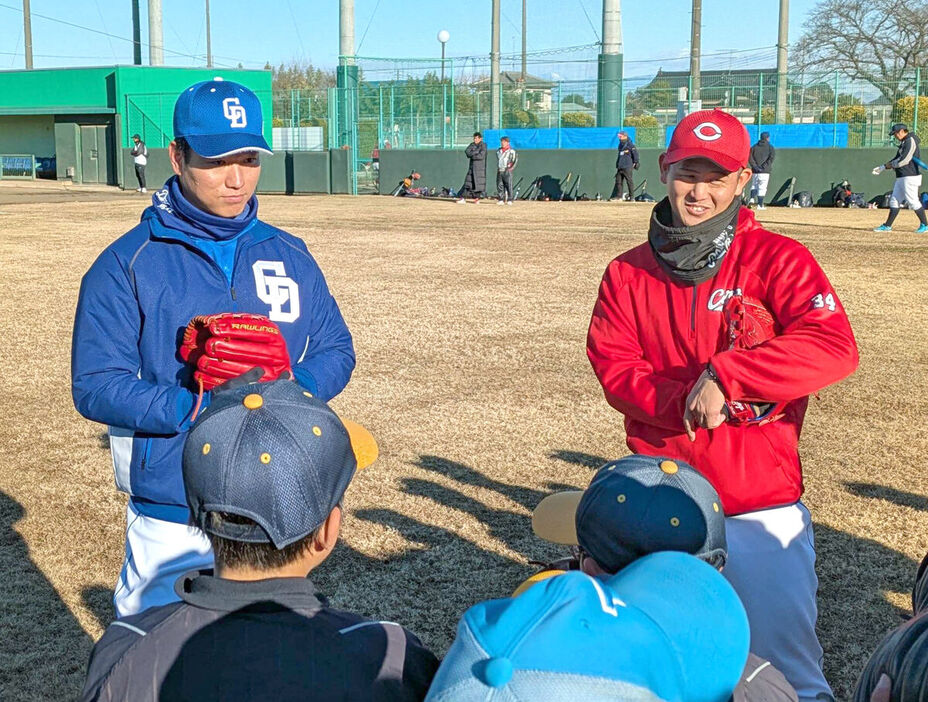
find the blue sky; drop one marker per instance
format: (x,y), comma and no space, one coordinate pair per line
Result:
(283,30)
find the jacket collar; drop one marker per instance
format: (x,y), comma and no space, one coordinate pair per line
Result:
(204,590)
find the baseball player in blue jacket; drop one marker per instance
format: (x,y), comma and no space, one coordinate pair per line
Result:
(200,249)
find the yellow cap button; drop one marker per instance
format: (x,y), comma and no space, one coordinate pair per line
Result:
(674,522)
(715,506)
(206,448)
(253,401)
(317,431)
(669,467)
(620,498)
(265,458)
(308,394)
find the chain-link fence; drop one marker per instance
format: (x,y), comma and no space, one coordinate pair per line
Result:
(439,104)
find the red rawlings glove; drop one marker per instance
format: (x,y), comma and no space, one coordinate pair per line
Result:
(749,323)
(224,346)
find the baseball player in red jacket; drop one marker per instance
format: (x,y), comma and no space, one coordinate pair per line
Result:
(662,343)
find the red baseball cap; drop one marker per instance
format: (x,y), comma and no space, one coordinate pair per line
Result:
(712,134)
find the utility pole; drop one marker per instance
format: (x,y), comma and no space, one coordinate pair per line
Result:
(209,40)
(136,34)
(609,85)
(27,33)
(494,69)
(782,80)
(695,48)
(346,79)
(155,34)
(524,44)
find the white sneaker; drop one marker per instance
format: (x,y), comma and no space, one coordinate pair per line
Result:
(762,207)
(462,201)
(138,190)
(500,202)
(144,190)
(509,202)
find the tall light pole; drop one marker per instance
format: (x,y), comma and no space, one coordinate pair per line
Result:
(782,81)
(155,34)
(209,40)
(494,69)
(695,48)
(136,34)
(609,86)
(27,34)
(443,37)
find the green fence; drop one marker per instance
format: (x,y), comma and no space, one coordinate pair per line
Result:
(434,104)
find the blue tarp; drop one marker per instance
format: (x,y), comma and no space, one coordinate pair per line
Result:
(571,137)
(796,136)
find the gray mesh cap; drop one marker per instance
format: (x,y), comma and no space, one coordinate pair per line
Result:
(270,452)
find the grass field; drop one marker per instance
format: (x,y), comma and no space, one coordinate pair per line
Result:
(469,324)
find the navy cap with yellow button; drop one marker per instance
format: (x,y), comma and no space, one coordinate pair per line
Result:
(270,452)
(635,506)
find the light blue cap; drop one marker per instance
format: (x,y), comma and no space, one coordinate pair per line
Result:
(668,627)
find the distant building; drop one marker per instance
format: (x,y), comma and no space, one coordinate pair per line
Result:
(538,91)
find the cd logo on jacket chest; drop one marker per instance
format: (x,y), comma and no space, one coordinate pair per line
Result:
(274,288)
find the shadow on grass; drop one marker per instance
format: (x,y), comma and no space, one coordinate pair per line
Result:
(43,648)
(855,574)
(99,600)
(580,458)
(881,492)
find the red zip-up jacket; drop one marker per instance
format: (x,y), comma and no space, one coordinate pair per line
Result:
(651,337)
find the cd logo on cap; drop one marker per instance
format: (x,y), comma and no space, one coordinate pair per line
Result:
(708,131)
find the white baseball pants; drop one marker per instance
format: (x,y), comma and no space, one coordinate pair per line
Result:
(157,554)
(906,189)
(771,565)
(760,182)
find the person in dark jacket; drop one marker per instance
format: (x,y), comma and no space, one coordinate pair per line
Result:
(760,162)
(265,472)
(140,159)
(908,178)
(200,249)
(626,161)
(475,182)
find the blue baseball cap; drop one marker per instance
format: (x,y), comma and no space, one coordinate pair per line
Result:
(635,506)
(669,627)
(270,452)
(220,118)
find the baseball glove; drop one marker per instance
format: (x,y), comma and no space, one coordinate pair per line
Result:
(903,656)
(748,323)
(224,346)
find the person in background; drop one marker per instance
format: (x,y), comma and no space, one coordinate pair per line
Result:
(908,179)
(506,158)
(140,159)
(475,182)
(760,162)
(625,163)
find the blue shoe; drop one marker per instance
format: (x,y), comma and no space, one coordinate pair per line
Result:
(882,228)
(922,228)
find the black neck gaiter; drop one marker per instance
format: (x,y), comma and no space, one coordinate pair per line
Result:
(692,254)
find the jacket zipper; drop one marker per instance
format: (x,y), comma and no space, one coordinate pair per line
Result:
(693,312)
(146,454)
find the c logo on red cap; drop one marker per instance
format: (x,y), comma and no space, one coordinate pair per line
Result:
(708,131)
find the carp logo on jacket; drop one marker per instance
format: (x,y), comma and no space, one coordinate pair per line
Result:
(719,297)
(277,290)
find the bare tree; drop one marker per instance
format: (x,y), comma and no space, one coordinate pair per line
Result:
(877,41)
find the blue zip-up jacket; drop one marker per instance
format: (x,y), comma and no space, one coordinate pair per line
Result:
(134,304)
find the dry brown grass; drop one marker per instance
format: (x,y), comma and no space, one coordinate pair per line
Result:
(469,324)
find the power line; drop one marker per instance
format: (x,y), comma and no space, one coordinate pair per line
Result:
(587,15)
(107,34)
(370,19)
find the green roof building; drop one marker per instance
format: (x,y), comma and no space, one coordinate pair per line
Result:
(85,116)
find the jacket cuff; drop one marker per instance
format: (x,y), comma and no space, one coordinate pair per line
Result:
(306,379)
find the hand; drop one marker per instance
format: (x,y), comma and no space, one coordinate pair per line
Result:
(878,170)
(635,166)
(705,406)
